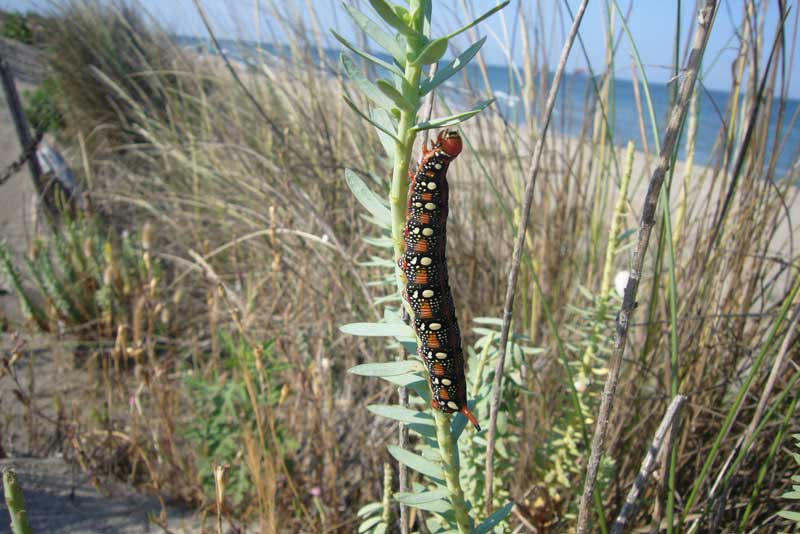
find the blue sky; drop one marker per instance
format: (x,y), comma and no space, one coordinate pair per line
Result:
(652,23)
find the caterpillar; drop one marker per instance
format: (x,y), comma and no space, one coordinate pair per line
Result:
(424,265)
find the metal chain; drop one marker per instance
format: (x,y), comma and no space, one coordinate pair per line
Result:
(27,154)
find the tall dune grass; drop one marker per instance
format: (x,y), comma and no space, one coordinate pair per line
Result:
(258,237)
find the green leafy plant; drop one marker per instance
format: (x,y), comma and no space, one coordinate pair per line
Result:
(42,109)
(15,26)
(84,274)
(394,114)
(794,495)
(482,364)
(229,417)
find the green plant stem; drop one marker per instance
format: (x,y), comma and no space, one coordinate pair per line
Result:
(447,448)
(768,462)
(16,503)
(388,494)
(734,409)
(398,195)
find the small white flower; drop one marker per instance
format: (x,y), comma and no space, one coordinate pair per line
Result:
(580,385)
(620,281)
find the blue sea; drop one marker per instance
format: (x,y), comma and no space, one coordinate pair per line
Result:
(576,99)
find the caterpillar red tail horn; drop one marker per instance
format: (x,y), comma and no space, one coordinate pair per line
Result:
(471,416)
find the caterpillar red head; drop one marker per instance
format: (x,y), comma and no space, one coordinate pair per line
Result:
(449,141)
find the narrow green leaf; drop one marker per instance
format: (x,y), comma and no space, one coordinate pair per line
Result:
(368,88)
(488,320)
(380,127)
(366,197)
(376,261)
(390,91)
(438,506)
(366,55)
(433,52)
(426,431)
(380,529)
(386,369)
(387,299)
(372,220)
(368,509)
(410,344)
(383,123)
(367,525)
(452,68)
(416,462)
(413,499)
(378,34)
(791,516)
(494,519)
(378,330)
(383,241)
(401,414)
(404,380)
(485,16)
(415,382)
(452,120)
(390,16)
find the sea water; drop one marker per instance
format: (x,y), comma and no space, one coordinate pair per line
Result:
(576,101)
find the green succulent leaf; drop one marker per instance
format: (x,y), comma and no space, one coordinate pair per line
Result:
(433,52)
(390,91)
(386,369)
(452,68)
(378,330)
(494,519)
(483,17)
(417,462)
(366,55)
(380,529)
(368,88)
(367,525)
(376,261)
(405,380)
(382,242)
(383,123)
(413,499)
(401,414)
(380,127)
(791,516)
(394,16)
(367,198)
(452,120)
(432,501)
(378,34)
(369,509)
(496,321)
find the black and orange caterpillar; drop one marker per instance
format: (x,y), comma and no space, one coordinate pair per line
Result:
(425,267)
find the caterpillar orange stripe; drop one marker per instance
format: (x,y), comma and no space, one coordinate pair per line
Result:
(425,267)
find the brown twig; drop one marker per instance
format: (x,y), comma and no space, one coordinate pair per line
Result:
(648,464)
(519,246)
(704,24)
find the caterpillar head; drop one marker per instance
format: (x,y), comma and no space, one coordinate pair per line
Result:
(450,142)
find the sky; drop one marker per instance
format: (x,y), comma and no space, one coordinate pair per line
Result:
(652,24)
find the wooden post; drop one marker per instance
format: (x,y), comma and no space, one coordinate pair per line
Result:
(24,135)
